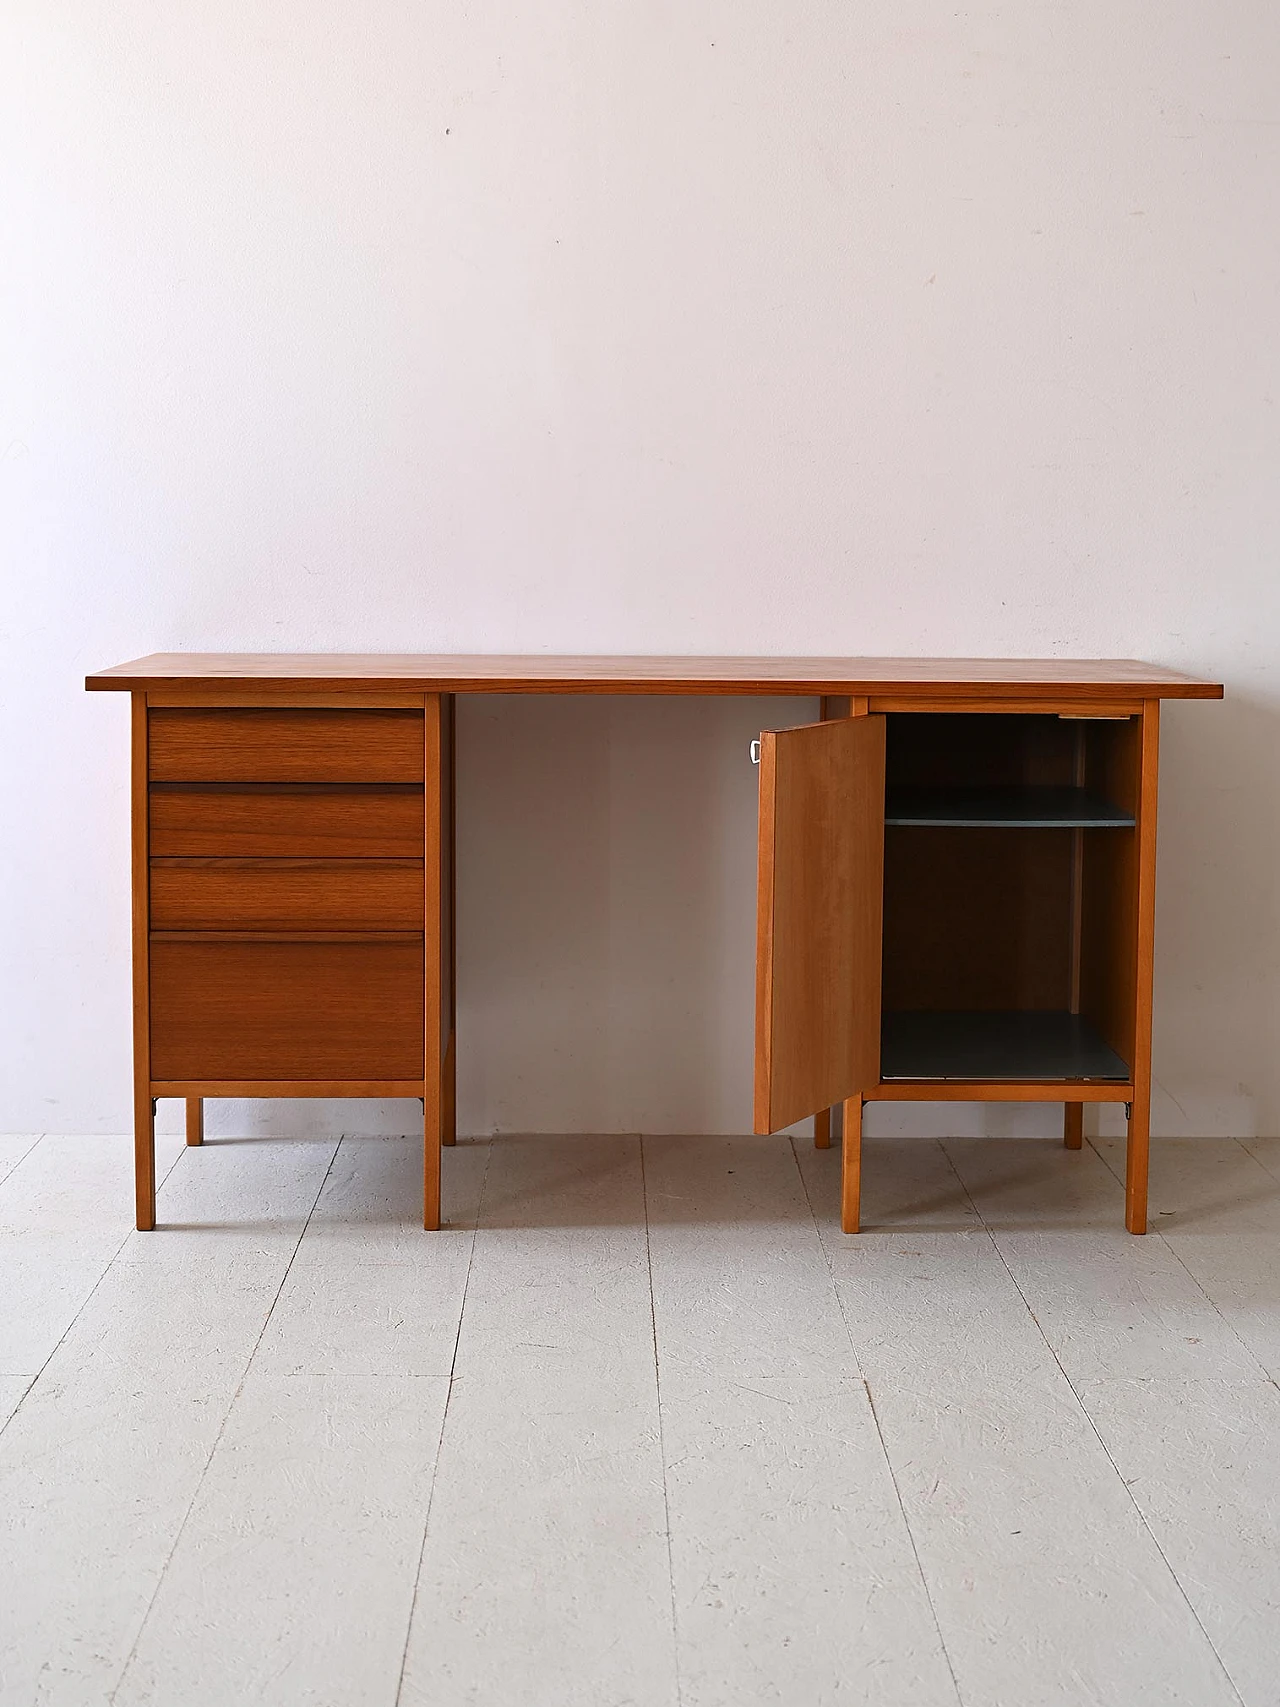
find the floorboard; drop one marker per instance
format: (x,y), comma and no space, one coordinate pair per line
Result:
(1034,1553)
(640,1427)
(545,1574)
(784,1514)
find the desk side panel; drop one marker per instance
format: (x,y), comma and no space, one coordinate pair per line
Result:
(437,944)
(143,1119)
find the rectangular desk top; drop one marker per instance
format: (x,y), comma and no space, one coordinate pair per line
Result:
(938,678)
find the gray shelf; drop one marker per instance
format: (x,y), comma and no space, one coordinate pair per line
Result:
(1033,1046)
(1016,808)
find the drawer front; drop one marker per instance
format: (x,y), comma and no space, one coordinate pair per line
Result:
(287,821)
(286,1010)
(286,894)
(199,744)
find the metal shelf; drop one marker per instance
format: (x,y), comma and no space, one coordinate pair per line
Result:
(1016,808)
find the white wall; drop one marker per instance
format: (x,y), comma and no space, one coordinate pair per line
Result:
(880,327)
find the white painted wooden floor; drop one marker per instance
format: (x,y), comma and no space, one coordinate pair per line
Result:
(640,1429)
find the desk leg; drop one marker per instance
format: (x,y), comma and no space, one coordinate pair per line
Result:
(431,1135)
(851,1166)
(195,1120)
(822,1129)
(1135,1161)
(449,1095)
(144,1157)
(1073,1125)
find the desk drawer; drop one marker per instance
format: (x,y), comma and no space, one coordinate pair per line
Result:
(286,894)
(286,1010)
(286,820)
(239,744)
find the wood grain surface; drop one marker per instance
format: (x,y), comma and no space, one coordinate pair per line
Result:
(959,678)
(287,820)
(286,894)
(291,744)
(818,921)
(1139,1138)
(285,1010)
(144,1124)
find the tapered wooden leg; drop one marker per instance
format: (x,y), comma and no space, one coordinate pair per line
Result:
(449,1096)
(851,1166)
(144,1158)
(822,1129)
(431,1162)
(1073,1125)
(1135,1164)
(195,1120)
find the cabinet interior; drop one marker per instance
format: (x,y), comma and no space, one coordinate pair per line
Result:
(1010,897)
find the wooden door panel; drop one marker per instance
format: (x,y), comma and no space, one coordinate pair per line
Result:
(818,951)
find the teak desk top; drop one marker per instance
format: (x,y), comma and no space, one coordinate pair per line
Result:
(955,679)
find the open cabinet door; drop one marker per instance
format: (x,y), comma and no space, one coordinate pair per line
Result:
(821,887)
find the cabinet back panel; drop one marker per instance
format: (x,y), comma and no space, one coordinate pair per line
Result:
(1113,761)
(977,919)
(979,751)
(955,750)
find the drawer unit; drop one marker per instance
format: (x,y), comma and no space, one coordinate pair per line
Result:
(293,744)
(286,895)
(292,877)
(236,1009)
(286,820)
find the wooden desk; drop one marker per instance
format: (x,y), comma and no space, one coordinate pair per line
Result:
(956,882)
